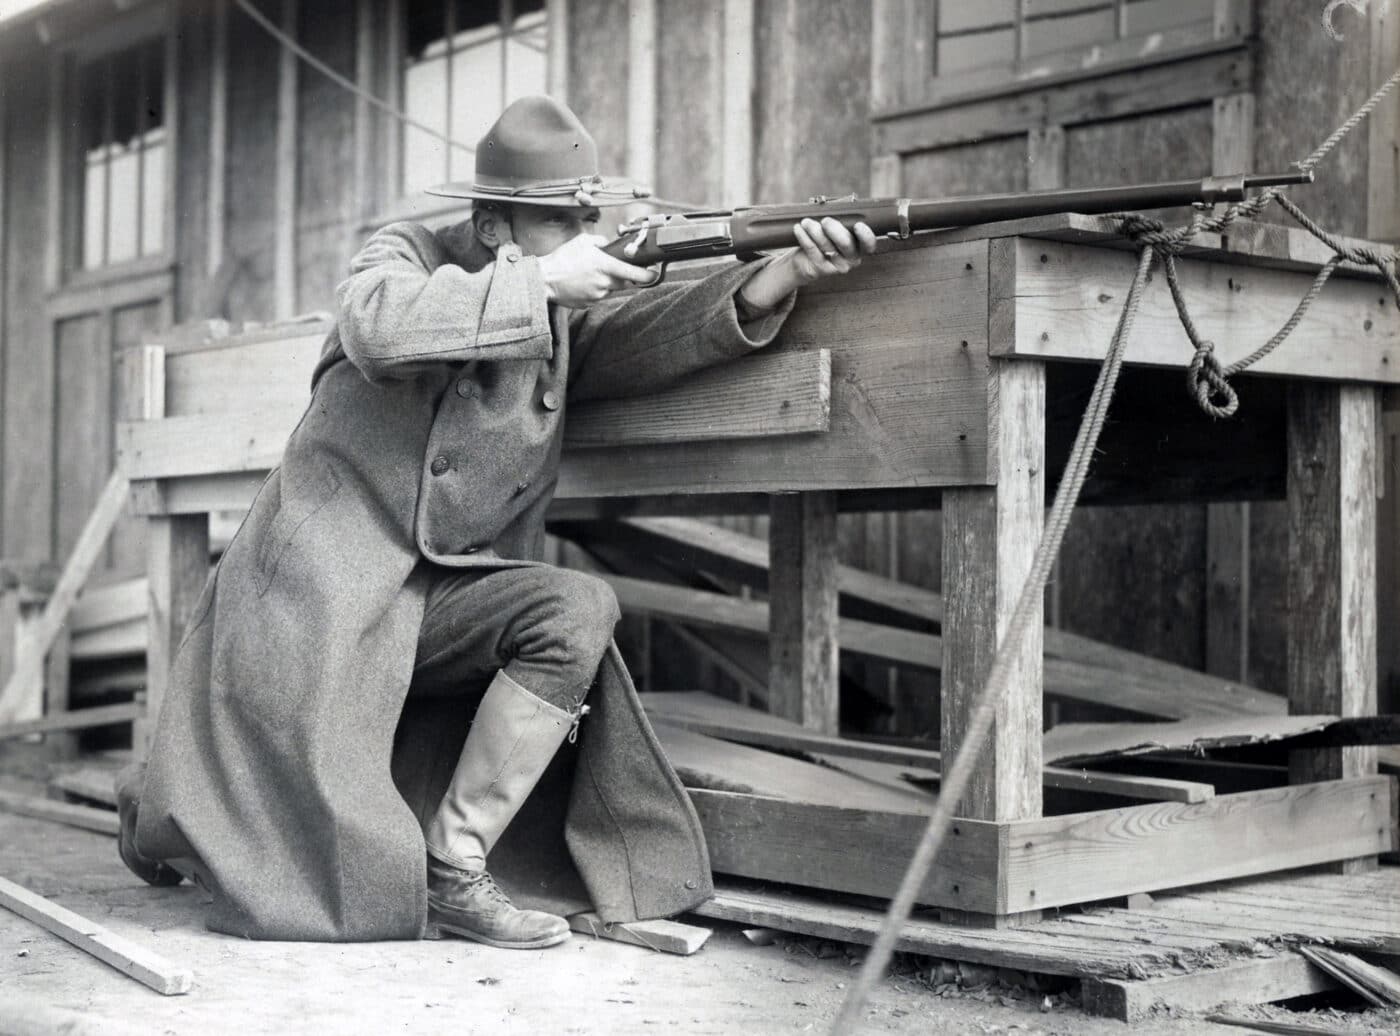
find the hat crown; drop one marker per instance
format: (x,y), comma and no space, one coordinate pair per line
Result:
(536,140)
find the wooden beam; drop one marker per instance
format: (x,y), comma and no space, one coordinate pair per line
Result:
(1332,565)
(1068,299)
(989,540)
(705,714)
(804,642)
(40,636)
(757,397)
(1383,128)
(78,719)
(284,258)
(663,936)
(1247,981)
(121,953)
(1091,856)
(557,72)
(178,566)
(103,821)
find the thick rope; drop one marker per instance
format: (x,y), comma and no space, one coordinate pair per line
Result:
(1157,242)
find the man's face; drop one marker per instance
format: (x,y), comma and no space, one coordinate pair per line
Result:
(540,229)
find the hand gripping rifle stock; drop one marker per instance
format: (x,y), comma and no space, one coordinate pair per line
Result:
(667,239)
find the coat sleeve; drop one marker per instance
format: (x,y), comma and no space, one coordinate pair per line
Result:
(403,308)
(650,338)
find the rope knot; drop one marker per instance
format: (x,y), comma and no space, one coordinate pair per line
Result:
(1206,381)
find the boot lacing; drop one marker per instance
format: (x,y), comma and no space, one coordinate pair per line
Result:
(490,889)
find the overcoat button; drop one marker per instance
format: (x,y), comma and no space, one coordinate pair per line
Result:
(512,258)
(440,465)
(470,549)
(550,400)
(520,487)
(465,388)
(690,883)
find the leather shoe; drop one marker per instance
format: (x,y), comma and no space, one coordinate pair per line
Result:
(471,904)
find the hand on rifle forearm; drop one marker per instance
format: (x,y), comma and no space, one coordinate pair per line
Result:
(823,249)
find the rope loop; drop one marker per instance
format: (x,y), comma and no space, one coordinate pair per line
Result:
(1206,380)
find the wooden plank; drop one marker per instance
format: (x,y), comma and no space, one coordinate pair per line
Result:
(733,555)
(663,936)
(1250,981)
(199,494)
(1377,985)
(178,568)
(908,410)
(705,714)
(923,651)
(845,850)
(1086,856)
(103,821)
(989,540)
(803,627)
(217,157)
(1383,128)
(78,719)
(1081,741)
(39,638)
(709,763)
(126,956)
(197,445)
(1038,948)
(108,605)
(759,396)
(1332,566)
(1069,297)
(224,377)
(96,785)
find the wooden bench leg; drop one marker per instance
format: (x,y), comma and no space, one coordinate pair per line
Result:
(989,539)
(803,672)
(59,745)
(1332,569)
(177,551)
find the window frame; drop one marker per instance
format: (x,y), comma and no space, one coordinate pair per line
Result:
(68,161)
(388,202)
(905,80)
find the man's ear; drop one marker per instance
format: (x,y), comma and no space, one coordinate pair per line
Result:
(492,228)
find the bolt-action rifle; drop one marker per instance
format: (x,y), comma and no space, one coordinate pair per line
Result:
(663,238)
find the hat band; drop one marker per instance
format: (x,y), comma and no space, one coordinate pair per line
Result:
(581,187)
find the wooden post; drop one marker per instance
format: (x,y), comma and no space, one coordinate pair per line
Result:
(1332,569)
(803,676)
(989,538)
(284,258)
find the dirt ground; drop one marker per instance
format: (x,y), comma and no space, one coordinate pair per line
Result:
(584,986)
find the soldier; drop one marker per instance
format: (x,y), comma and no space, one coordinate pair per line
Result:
(395,555)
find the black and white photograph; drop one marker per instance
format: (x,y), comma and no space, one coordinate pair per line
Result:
(699,516)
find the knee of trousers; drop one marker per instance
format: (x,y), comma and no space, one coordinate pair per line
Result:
(572,635)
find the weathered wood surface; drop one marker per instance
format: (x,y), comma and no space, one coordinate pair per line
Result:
(1244,981)
(803,641)
(989,543)
(127,957)
(78,719)
(908,401)
(1079,741)
(103,821)
(705,714)
(1088,856)
(760,396)
(1332,435)
(663,936)
(1069,297)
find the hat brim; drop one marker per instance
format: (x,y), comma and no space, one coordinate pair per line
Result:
(612,191)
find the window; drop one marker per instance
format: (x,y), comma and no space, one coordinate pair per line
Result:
(465,61)
(121,185)
(973,36)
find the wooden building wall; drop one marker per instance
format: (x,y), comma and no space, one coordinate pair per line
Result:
(277,181)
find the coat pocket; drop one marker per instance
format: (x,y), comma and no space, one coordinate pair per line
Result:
(296,506)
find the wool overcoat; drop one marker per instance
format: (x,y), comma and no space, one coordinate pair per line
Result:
(287,770)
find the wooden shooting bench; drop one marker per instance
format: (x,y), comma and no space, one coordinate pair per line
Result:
(944,370)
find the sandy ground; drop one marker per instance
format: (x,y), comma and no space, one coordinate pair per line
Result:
(584,986)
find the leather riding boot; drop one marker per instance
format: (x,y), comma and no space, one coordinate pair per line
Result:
(152,872)
(512,740)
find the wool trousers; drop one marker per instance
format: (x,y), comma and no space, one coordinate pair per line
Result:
(547,627)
